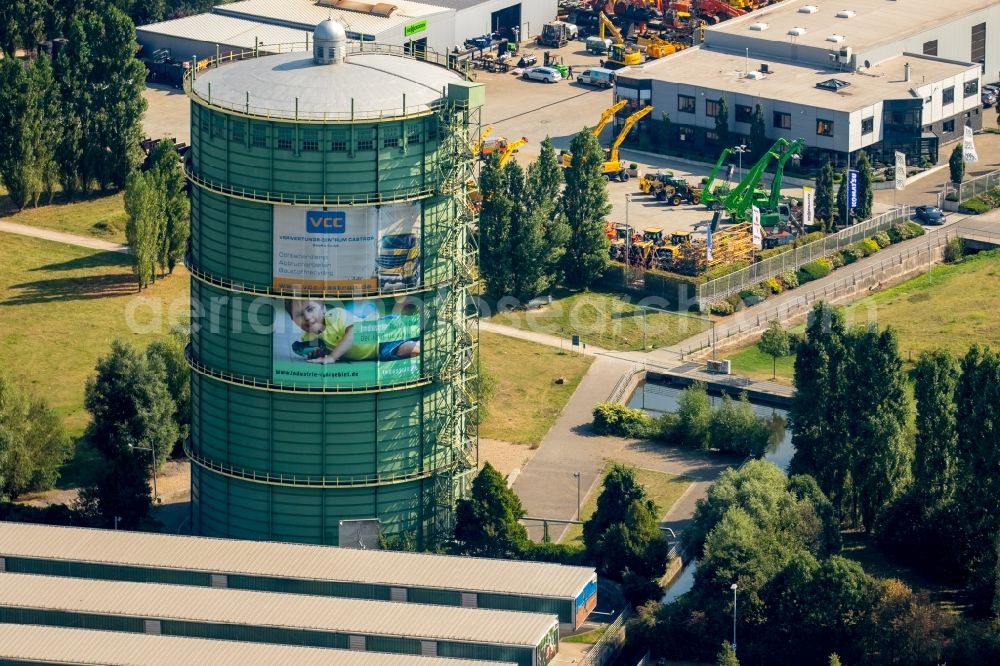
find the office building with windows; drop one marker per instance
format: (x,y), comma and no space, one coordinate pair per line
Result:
(878,75)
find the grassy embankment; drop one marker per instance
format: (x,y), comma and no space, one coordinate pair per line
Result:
(605,320)
(527,400)
(949,309)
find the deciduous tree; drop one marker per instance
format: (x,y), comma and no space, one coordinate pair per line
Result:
(145,225)
(775,343)
(486,522)
(956,164)
(32,443)
(935,463)
(722,123)
(758,132)
(165,163)
(495,222)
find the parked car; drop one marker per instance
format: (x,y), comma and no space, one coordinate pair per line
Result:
(989,96)
(597,76)
(546,74)
(929,215)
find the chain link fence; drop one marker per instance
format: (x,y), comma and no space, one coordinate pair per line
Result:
(608,645)
(793,259)
(870,277)
(972,187)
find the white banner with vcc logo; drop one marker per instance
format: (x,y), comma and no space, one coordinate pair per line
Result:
(348,251)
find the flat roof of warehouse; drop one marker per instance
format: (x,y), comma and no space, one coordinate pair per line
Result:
(306,14)
(59,645)
(287,560)
(873,22)
(228,30)
(270,609)
(720,70)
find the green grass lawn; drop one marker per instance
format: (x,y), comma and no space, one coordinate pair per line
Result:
(60,308)
(606,320)
(588,637)
(99,217)
(664,489)
(527,401)
(952,309)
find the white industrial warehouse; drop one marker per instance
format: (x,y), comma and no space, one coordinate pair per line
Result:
(246,24)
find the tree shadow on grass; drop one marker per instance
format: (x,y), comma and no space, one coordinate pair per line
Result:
(70,289)
(87,262)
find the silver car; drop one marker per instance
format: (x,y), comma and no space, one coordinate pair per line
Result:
(546,74)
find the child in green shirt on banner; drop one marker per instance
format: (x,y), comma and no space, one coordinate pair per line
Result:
(336,334)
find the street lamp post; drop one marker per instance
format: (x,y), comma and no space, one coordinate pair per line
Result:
(733,588)
(628,239)
(152,452)
(740,149)
(577,475)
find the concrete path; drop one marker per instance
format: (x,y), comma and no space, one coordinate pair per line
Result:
(541,338)
(61,237)
(546,486)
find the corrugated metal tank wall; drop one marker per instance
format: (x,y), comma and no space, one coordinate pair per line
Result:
(274,461)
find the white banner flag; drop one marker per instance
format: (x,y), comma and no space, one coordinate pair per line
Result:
(808,205)
(758,232)
(900,170)
(968,147)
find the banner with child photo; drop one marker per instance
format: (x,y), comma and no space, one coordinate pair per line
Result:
(349,344)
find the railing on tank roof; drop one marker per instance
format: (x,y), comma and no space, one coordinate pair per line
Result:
(364,199)
(317,481)
(447,60)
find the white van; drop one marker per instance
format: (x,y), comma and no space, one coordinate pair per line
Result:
(597,76)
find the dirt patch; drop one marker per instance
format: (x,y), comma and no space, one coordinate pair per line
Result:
(173,483)
(505,456)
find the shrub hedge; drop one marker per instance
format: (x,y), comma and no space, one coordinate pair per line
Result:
(721,308)
(882,238)
(611,418)
(815,270)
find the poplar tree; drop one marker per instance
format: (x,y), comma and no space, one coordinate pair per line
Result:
(934,463)
(825,199)
(144,208)
(876,409)
(585,204)
(817,420)
(21,125)
(166,165)
(495,228)
(843,213)
(722,123)
(866,196)
(758,131)
(544,183)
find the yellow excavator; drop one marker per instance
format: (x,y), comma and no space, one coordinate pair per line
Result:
(620,54)
(657,47)
(606,118)
(510,149)
(613,167)
(477,147)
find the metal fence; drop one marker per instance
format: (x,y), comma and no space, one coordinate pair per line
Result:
(871,276)
(610,642)
(973,187)
(719,288)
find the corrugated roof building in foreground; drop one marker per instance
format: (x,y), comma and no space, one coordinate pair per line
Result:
(527,639)
(568,592)
(33,644)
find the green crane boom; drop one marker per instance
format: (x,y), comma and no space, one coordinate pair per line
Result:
(791,151)
(707,196)
(739,200)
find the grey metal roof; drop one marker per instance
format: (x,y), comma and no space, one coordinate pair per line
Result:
(376,84)
(57,645)
(224,30)
(307,14)
(288,560)
(293,611)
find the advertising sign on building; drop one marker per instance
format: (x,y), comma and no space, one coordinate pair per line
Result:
(354,250)
(852,188)
(900,170)
(758,232)
(969,147)
(808,205)
(345,343)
